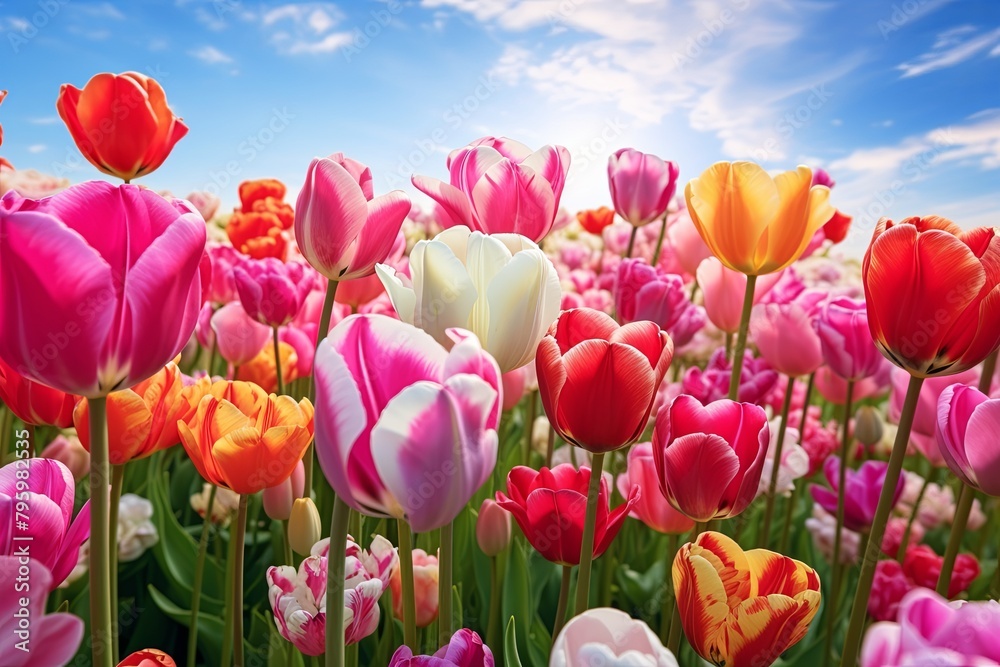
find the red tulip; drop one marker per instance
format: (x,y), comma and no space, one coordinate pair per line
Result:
(598,380)
(933,294)
(549,506)
(33,402)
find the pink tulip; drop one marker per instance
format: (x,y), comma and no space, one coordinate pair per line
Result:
(298,598)
(404,428)
(278,499)
(823,527)
(47,639)
(787,289)
(464,649)
(652,508)
(99,285)
(425,588)
(55,537)
(757,380)
(499,185)
(643,292)
(271,291)
(223,259)
(689,247)
(492,528)
(239,337)
(923,435)
(723,291)
(932,630)
(515,385)
(833,388)
(968,422)
(69,452)
(709,459)
(610,638)
(341,228)
(642,185)
(785,337)
(861,492)
(848,348)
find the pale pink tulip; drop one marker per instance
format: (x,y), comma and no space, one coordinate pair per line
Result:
(278,499)
(238,336)
(68,451)
(723,291)
(689,247)
(652,507)
(785,337)
(608,637)
(923,434)
(28,636)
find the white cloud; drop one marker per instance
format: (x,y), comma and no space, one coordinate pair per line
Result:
(36,148)
(44,120)
(210,55)
(306,28)
(101,10)
(952,48)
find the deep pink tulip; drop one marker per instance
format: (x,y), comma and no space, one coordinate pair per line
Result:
(239,337)
(968,422)
(341,227)
(271,291)
(757,379)
(923,435)
(848,348)
(52,639)
(500,185)
(860,495)
(223,258)
(404,428)
(643,292)
(52,532)
(99,285)
(641,184)
(464,649)
(304,346)
(723,291)
(933,631)
(652,508)
(709,459)
(785,337)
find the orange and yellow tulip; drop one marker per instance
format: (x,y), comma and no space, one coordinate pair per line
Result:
(261,371)
(742,607)
(753,223)
(143,420)
(244,439)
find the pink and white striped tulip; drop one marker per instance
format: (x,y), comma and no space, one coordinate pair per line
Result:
(967,425)
(500,185)
(100,285)
(404,428)
(341,227)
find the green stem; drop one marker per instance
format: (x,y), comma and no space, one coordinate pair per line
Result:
(958,525)
(694,290)
(673,542)
(241,531)
(529,425)
(117,480)
(838,568)
(277,362)
(5,440)
(631,242)
(444,585)
(211,358)
(199,576)
(741,339)
(859,611)
(30,428)
(564,586)
(772,486)
(659,240)
(406,579)
(492,627)
(289,559)
(729,347)
(787,525)
(101,622)
(335,584)
(989,369)
(324,325)
(587,544)
(228,615)
(905,540)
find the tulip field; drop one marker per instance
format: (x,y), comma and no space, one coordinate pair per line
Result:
(684,427)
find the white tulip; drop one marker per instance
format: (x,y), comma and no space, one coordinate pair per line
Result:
(610,638)
(501,287)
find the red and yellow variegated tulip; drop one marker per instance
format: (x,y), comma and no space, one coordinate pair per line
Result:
(244,439)
(742,607)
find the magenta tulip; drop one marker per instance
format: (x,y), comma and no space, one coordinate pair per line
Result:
(464,649)
(28,636)
(968,422)
(54,536)
(223,258)
(861,492)
(239,337)
(271,291)
(641,184)
(785,337)
(709,459)
(404,428)
(99,285)
(757,379)
(643,292)
(848,348)
(500,185)
(652,508)
(341,227)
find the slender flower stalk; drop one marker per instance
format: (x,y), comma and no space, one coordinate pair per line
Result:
(240,541)
(549,449)
(564,586)
(335,583)
(587,544)
(406,579)
(852,644)
(673,541)
(446,551)
(324,325)
(277,362)
(631,242)
(659,241)
(765,537)
(905,540)
(741,339)
(199,577)
(530,411)
(838,567)
(101,629)
(493,627)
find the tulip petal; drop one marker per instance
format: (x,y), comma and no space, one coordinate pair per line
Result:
(981,446)
(580,324)
(697,469)
(454,205)
(331,210)
(701,598)
(402,298)
(882,645)
(376,239)
(445,293)
(760,629)
(511,198)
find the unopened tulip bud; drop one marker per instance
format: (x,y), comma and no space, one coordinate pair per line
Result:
(278,499)
(303,526)
(68,451)
(492,528)
(868,426)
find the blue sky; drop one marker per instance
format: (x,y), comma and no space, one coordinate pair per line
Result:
(899,99)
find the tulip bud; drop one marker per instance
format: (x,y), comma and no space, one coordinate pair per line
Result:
(868,426)
(278,499)
(69,452)
(492,528)
(425,588)
(303,526)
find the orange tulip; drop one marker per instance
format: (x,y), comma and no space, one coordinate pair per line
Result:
(143,420)
(121,123)
(149,657)
(257,227)
(596,219)
(245,439)
(933,294)
(753,223)
(742,608)
(260,370)
(33,402)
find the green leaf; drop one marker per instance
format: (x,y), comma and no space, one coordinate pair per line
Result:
(510,656)
(210,628)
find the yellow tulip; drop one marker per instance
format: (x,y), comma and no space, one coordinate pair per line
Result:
(742,608)
(753,223)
